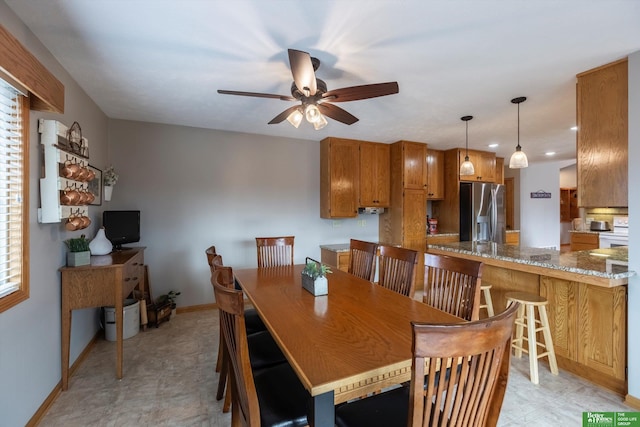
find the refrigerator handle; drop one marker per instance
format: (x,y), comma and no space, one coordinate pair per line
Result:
(494,215)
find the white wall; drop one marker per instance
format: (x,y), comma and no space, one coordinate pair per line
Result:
(540,218)
(633,307)
(198,187)
(30,332)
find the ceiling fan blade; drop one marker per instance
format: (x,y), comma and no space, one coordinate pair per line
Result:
(282,116)
(337,113)
(355,93)
(256,94)
(302,70)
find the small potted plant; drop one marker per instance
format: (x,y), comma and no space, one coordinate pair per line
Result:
(79,253)
(314,277)
(171,296)
(110,177)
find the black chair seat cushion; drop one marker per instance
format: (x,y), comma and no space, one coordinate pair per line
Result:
(283,400)
(253,323)
(388,409)
(264,351)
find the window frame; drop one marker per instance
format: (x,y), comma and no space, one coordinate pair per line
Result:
(22,294)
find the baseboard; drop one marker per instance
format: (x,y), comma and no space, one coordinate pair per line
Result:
(632,401)
(192,308)
(44,407)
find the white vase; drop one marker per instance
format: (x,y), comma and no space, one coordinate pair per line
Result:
(100,245)
(108,189)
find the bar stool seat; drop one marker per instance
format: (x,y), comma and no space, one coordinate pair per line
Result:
(530,302)
(488,302)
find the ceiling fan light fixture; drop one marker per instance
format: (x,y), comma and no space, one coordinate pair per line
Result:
(320,123)
(312,113)
(295,118)
(519,158)
(466,168)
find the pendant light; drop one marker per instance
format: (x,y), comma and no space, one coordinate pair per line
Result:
(466,168)
(518,159)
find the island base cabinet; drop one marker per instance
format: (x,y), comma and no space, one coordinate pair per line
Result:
(588,325)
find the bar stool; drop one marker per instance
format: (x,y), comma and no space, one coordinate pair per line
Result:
(488,302)
(530,302)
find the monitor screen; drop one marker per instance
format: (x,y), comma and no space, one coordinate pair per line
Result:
(121,227)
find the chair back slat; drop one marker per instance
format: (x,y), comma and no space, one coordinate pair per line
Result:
(231,305)
(453,285)
(475,353)
(362,259)
(397,269)
(210,252)
(275,251)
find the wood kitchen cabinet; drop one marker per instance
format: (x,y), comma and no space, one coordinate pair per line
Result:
(584,241)
(602,147)
(588,326)
(568,204)
(499,170)
(374,174)
(484,165)
(339,178)
(405,222)
(435,174)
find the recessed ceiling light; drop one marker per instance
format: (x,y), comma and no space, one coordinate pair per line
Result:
(574,127)
(550,153)
(494,145)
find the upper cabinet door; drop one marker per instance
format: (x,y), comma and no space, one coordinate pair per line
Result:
(602,149)
(339,178)
(435,174)
(415,165)
(374,174)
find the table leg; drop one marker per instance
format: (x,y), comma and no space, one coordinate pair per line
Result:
(66,342)
(119,326)
(322,410)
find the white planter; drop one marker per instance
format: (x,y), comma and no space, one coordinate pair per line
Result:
(317,287)
(108,189)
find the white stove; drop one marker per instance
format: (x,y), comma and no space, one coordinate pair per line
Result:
(618,236)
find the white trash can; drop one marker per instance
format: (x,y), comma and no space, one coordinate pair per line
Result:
(131,324)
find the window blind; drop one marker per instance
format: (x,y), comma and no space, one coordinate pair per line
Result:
(11,171)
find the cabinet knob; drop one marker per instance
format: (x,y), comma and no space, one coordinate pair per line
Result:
(126,279)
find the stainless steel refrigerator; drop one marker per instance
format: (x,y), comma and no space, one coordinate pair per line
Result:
(482,212)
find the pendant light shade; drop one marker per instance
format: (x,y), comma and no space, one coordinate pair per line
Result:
(518,159)
(466,168)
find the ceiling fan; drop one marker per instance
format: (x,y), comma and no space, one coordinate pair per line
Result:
(316,100)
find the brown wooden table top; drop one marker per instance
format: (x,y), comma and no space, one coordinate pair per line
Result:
(356,332)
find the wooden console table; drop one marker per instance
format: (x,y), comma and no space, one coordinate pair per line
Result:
(107,281)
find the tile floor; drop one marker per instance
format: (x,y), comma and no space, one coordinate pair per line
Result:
(170,380)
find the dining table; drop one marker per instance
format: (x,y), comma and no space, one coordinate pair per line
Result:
(353,341)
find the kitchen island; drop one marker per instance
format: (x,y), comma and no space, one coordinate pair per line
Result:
(586,291)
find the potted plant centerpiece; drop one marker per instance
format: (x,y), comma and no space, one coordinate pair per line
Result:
(79,253)
(110,178)
(314,277)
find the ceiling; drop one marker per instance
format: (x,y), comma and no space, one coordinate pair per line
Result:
(163,60)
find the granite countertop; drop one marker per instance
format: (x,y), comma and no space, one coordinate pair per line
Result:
(588,231)
(340,247)
(611,264)
(443,234)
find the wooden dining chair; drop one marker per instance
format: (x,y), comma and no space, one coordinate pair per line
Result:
(397,269)
(453,285)
(469,395)
(275,251)
(263,350)
(272,396)
(362,259)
